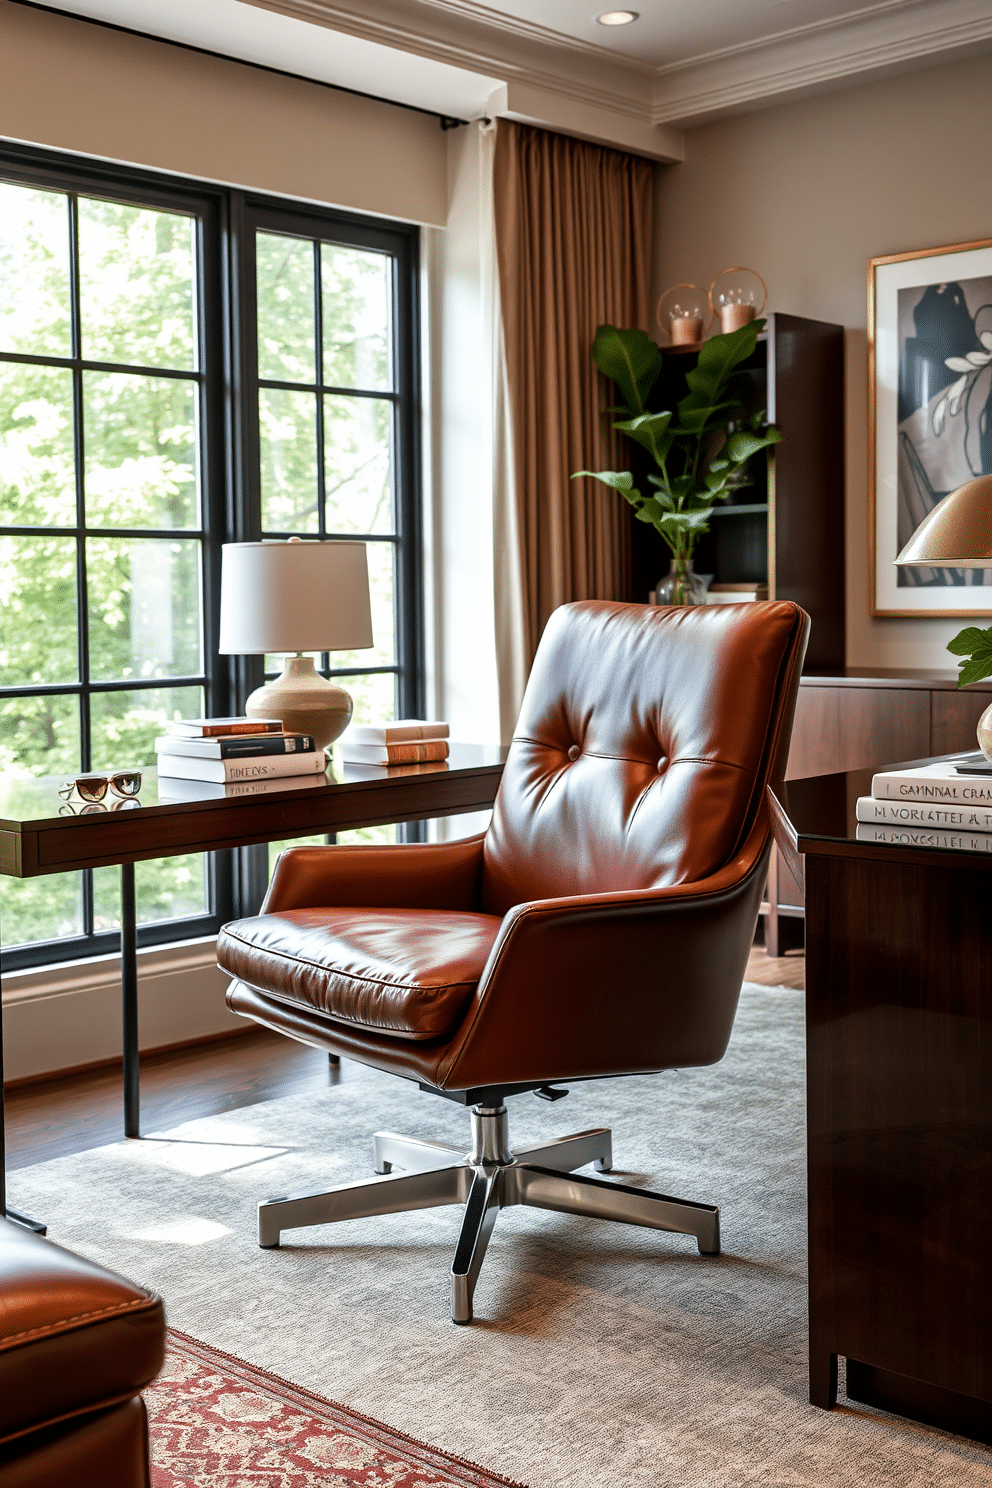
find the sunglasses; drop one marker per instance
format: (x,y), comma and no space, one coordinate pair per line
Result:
(93,788)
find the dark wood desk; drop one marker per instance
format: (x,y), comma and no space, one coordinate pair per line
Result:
(899,1123)
(38,835)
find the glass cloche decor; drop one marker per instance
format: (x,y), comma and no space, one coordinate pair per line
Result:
(737,296)
(682,313)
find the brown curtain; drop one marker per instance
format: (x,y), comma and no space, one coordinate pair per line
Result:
(573,237)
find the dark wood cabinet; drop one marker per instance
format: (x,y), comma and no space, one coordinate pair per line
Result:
(786,528)
(864,720)
(899,1120)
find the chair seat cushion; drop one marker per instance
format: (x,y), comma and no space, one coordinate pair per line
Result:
(406,972)
(73,1337)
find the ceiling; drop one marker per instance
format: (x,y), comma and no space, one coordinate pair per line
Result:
(549,62)
(670,31)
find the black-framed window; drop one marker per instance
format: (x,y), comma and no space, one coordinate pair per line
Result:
(182,365)
(330,333)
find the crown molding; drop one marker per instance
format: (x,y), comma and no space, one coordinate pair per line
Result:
(526,54)
(868,42)
(873,39)
(546,79)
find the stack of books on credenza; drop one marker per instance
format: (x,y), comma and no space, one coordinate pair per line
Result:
(947,804)
(408,741)
(227,750)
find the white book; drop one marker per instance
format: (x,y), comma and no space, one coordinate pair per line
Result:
(888,833)
(400,752)
(172,789)
(926,814)
(937,783)
(400,732)
(741,596)
(184,767)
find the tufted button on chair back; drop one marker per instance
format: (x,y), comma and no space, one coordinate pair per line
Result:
(642,749)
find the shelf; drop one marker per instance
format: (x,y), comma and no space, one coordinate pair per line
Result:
(738,511)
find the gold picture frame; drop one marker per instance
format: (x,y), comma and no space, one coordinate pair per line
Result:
(924,424)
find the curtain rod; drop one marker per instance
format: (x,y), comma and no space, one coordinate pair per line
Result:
(447,121)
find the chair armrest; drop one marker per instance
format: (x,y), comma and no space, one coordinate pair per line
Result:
(415,875)
(601,984)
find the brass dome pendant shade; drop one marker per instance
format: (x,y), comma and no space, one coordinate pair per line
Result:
(957,533)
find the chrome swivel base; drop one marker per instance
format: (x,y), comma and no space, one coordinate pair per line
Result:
(485,1180)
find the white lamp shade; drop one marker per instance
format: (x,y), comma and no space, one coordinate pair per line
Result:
(294,596)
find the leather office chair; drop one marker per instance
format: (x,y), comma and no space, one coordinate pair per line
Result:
(600,927)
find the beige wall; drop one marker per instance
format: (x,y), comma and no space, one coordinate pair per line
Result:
(806,193)
(76,86)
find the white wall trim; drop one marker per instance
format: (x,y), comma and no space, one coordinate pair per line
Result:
(69,1015)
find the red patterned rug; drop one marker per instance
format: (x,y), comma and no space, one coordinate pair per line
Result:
(217,1422)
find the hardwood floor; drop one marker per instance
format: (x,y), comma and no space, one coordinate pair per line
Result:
(71,1113)
(51,1118)
(777,971)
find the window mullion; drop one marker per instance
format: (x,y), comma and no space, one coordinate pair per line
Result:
(79,456)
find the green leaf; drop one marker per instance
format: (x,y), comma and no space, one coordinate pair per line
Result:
(619,480)
(701,418)
(742,445)
(631,359)
(651,431)
(719,356)
(664,496)
(972,641)
(976,670)
(676,522)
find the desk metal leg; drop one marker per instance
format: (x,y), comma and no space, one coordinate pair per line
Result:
(129,1003)
(21,1219)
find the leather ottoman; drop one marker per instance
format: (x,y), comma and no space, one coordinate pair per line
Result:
(77,1344)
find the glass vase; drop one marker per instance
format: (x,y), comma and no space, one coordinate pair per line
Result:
(681,585)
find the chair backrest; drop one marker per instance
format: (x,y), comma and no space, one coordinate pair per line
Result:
(644,743)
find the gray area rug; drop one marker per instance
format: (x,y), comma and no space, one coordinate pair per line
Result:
(602,1355)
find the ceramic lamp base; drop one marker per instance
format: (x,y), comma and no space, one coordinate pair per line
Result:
(985,733)
(305,702)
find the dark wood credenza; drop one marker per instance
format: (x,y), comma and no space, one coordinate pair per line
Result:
(864,719)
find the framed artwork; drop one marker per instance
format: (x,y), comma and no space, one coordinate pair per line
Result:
(930,414)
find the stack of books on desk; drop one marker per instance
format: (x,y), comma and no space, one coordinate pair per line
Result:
(744,592)
(947,804)
(235,749)
(408,741)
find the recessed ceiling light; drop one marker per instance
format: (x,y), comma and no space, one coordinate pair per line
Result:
(617,17)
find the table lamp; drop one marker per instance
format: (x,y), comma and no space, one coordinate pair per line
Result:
(957,533)
(291,597)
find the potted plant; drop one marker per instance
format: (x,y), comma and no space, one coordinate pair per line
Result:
(700,447)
